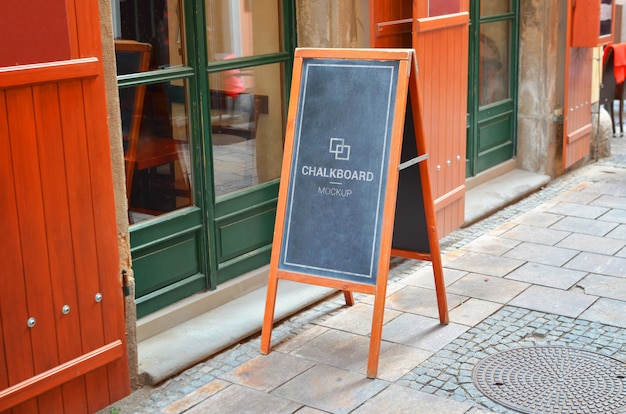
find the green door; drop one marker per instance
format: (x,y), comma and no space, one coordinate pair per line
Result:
(492,97)
(247,53)
(203,90)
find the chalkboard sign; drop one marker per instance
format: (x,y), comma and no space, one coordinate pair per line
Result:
(334,206)
(351,165)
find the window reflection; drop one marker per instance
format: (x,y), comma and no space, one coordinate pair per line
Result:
(494,7)
(242,28)
(606,14)
(156,155)
(247,126)
(155,120)
(155,130)
(494,62)
(157,22)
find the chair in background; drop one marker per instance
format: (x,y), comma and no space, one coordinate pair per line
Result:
(613,85)
(237,116)
(141,152)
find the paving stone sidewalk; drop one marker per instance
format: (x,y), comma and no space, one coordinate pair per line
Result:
(549,270)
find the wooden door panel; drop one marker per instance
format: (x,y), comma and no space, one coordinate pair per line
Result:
(577,112)
(577,100)
(440,44)
(60,226)
(105,235)
(17,355)
(62,271)
(390,23)
(32,238)
(81,208)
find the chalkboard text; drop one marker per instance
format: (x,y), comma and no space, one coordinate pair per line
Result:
(336,192)
(338,173)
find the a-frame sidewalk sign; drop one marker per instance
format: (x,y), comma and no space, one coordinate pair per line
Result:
(354,182)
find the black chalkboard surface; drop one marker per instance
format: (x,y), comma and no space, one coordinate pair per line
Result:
(409,231)
(342,136)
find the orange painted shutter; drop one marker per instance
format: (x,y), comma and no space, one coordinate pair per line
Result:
(585,23)
(62,332)
(442,46)
(577,126)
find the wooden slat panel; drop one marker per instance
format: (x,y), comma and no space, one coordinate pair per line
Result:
(72,28)
(18,354)
(12,289)
(440,22)
(443,82)
(445,107)
(4,378)
(461,38)
(58,222)
(105,232)
(88,28)
(577,136)
(81,209)
(37,138)
(585,27)
(394,35)
(31,221)
(58,375)
(16,76)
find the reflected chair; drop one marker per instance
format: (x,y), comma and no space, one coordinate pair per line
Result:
(237,117)
(141,152)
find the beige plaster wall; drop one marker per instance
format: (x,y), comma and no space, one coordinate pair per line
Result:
(330,23)
(119,181)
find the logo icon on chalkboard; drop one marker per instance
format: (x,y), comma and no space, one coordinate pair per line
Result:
(341,150)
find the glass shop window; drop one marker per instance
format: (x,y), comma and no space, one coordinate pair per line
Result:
(155,114)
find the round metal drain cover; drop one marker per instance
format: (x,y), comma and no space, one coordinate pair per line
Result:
(553,380)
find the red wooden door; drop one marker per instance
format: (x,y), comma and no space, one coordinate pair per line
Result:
(577,112)
(583,32)
(62,334)
(440,38)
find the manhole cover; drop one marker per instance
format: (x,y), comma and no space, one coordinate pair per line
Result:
(553,380)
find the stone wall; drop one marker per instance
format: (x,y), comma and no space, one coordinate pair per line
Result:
(119,181)
(332,23)
(541,75)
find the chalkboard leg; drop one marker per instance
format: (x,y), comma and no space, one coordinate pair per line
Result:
(377,333)
(440,286)
(268,321)
(349,297)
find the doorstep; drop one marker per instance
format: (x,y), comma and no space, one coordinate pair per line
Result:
(487,198)
(170,352)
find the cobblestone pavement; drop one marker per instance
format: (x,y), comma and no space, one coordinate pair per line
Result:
(327,338)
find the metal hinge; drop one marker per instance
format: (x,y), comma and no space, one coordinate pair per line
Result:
(125,284)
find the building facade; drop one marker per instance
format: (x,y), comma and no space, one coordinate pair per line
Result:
(187,173)
(216,84)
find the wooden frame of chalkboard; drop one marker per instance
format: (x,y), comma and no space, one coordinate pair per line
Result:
(348,153)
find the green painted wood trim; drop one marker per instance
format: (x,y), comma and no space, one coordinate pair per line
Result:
(169,295)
